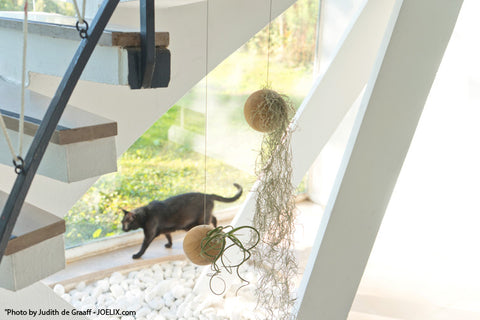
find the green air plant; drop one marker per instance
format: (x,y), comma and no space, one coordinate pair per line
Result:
(205,245)
(221,235)
(275,205)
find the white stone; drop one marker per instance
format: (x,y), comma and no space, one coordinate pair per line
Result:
(88,300)
(102,285)
(59,289)
(80,286)
(167,272)
(150,295)
(66,297)
(156,303)
(78,295)
(169,299)
(159,317)
(178,292)
(116,277)
(143,312)
(158,275)
(117,290)
(124,285)
(96,292)
(177,273)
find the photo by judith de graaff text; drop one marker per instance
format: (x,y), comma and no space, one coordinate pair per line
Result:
(49,313)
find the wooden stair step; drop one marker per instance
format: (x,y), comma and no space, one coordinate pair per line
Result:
(76,125)
(63,27)
(37,240)
(53,39)
(79,141)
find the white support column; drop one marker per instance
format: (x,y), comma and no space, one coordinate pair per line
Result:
(386,122)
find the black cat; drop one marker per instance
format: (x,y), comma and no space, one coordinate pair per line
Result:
(181,212)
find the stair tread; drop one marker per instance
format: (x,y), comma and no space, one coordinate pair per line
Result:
(34,225)
(63,27)
(76,125)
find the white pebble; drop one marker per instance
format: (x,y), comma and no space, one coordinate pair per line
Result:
(59,289)
(156,303)
(81,285)
(178,292)
(117,291)
(116,277)
(177,272)
(143,312)
(164,286)
(169,299)
(88,300)
(150,295)
(124,285)
(67,297)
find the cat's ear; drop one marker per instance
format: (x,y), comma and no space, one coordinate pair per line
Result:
(125,211)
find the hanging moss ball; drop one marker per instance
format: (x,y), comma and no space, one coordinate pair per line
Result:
(192,246)
(265,110)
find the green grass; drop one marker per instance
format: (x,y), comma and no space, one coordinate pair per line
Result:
(152,168)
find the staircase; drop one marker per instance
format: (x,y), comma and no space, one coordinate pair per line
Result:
(104,116)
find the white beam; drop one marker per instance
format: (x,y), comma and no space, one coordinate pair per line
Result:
(385,125)
(330,98)
(333,94)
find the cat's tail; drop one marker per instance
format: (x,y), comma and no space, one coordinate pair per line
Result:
(223,199)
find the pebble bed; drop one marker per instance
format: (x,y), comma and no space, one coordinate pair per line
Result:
(163,291)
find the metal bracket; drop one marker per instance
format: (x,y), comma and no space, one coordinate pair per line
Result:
(149,65)
(161,71)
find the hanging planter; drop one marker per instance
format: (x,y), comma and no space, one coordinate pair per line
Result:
(270,112)
(204,245)
(265,110)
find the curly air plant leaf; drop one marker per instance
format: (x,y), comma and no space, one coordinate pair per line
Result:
(275,213)
(217,239)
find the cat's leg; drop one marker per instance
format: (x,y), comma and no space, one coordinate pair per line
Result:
(169,239)
(214,221)
(146,242)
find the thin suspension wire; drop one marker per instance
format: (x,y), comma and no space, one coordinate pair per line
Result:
(268,43)
(16,157)
(22,98)
(206,117)
(84,2)
(77,10)
(7,138)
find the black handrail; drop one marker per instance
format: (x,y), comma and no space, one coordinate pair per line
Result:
(50,121)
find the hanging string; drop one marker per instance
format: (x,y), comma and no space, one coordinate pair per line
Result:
(84,2)
(81,25)
(206,117)
(80,15)
(7,138)
(24,64)
(17,158)
(268,43)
